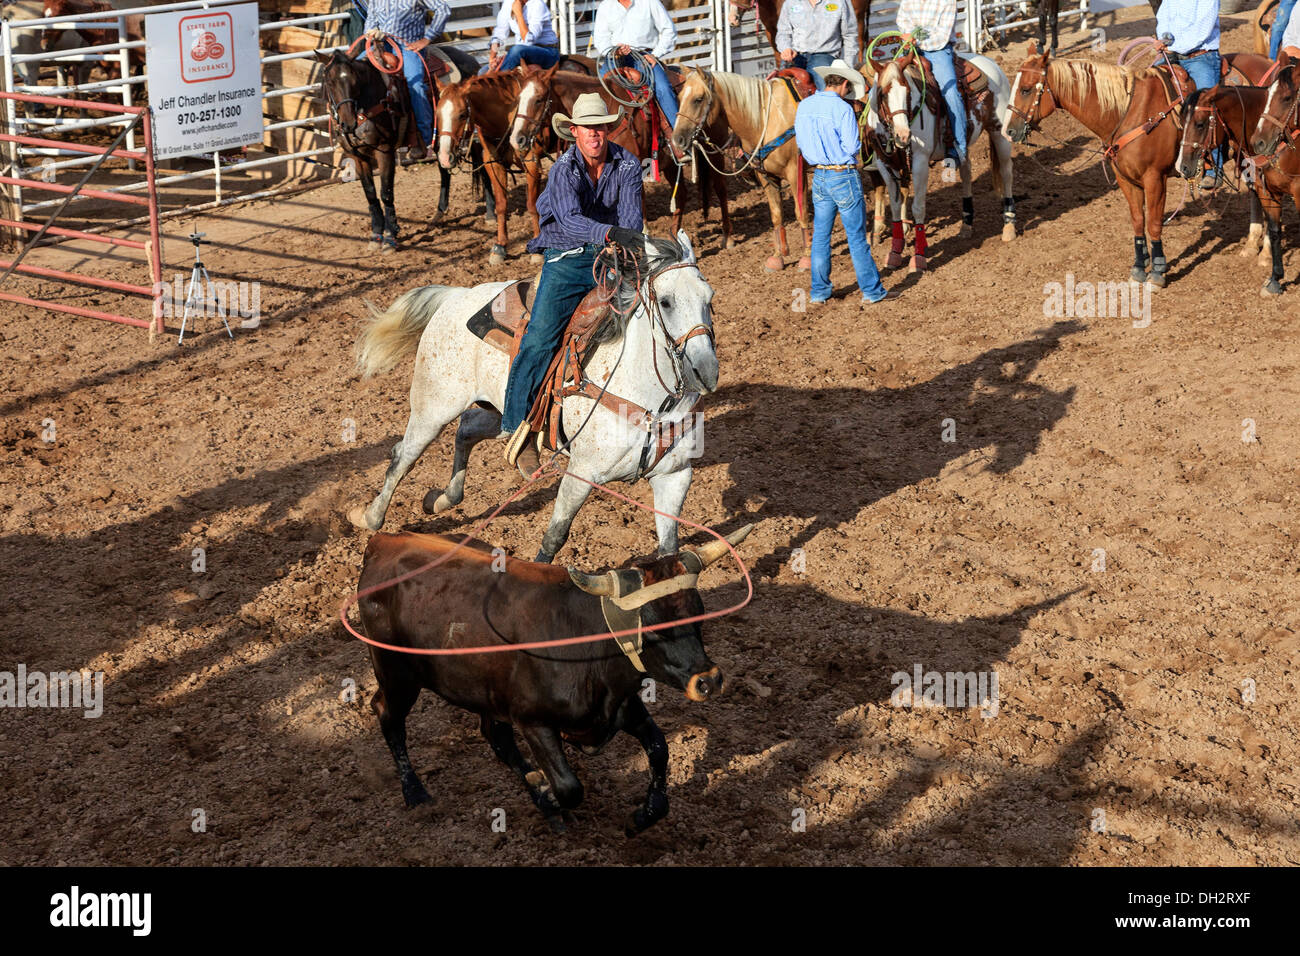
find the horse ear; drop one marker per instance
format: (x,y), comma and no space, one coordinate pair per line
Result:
(877,65)
(1033,48)
(688,251)
(323,58)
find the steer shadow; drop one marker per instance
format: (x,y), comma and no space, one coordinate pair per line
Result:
(872,442)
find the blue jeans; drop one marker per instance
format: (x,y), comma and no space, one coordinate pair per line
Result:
(806,61)
(1279,27)
(1203,71)
(945,74)
(543,56)
(840,191)
(662,88)
(566,278)
(417,82)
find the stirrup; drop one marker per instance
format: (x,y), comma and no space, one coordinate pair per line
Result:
(517,442)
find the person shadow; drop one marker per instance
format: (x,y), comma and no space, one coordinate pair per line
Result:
(822,455)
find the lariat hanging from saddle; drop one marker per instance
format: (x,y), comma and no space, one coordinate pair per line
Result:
(972,84)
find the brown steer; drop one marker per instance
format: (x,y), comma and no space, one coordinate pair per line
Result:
(580,693)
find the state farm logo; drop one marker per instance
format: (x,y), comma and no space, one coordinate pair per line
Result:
(207,47)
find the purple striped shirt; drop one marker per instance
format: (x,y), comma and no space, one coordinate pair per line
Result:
(575,211)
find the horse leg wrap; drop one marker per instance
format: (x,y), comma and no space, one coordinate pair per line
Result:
(920,239)
(896,239)
(1158,264)
(1008,210)
(968,210)
(1139,273)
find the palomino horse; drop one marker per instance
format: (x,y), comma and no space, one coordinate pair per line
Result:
(768,12)
(484,106)
(372,124)
(547,92)
(760,113)
(662,320)
(1135,113)
(1234,113)
(902,112)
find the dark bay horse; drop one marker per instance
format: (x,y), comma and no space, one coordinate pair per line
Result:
(1234,114)
(547,92)
(373,120)
(1135,114)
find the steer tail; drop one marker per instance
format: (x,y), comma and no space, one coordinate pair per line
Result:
(392,335)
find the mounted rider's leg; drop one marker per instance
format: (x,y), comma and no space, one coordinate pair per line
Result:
(417,82)
(1283,16)
(543,56)
(814,60)
(943,65)
(566,278)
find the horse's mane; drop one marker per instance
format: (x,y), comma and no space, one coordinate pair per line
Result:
(495,81)
(1111,86)
(744,92)
(666,252)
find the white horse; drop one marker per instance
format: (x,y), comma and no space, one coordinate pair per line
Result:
(901,117)
(662,361)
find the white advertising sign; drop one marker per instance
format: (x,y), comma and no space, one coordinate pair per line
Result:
(205,79)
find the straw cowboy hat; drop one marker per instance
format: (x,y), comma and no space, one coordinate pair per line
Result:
(588,110)
(857,82)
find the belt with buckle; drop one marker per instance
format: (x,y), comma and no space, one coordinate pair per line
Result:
(836,166)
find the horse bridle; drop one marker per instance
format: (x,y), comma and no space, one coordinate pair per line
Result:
(534,123)
(1030,121)
(360,117)
(676,346)
(1284,127)
(459,143)
(697,129)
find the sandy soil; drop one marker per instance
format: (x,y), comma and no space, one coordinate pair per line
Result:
(1121,690)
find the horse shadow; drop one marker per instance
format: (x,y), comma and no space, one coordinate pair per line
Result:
(862,445)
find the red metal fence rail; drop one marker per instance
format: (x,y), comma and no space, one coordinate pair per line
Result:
(151,247)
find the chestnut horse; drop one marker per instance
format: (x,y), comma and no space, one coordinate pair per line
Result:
(485,106)
(547,92)
(760,114)
(1135,114)
(1235,113)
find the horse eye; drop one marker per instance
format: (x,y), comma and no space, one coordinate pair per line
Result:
(666,303)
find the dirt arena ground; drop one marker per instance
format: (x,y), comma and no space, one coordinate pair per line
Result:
(1121,690)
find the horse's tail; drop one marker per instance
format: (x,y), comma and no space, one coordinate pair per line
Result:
(392,335)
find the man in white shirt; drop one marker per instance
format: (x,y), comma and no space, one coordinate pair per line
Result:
(537,45)
(626,25)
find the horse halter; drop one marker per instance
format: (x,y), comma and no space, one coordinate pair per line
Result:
(459,143)
(533,124)
(1033,117)
(697,128)
(1284,127)
(676,346)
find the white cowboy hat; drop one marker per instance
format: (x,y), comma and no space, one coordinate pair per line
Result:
(857,83)
(588,110)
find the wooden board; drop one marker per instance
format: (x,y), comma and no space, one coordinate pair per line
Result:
(297,39)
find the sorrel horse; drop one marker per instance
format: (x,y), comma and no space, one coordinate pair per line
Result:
(1235,113)
(547,92)
(1135,114)
(663,321)
(760,113)
(768,12)
(900,84)
(373,120)
(484,107)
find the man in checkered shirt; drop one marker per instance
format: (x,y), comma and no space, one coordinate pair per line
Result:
(405,20)
(930,24)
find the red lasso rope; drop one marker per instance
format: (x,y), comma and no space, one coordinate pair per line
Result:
(377,60)
(549,470)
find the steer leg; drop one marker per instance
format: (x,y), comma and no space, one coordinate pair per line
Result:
(502,738)
(391,703)
(566,788)
(641,725)
(568,500)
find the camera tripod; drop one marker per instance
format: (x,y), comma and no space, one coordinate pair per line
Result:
(196,292)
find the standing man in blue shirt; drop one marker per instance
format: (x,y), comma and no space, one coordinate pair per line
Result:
(813,33)
(404,20)
(1190,31)
(592,196)
(827,133)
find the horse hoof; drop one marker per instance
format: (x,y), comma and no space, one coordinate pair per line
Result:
(1156,280)
(965,232)
(1271,287)
(730,243)
(388,249)
(1248,249)
(490,218)
(805,264)
(358,518)
(894,261)
(536,258)
(1137,275)
(1265,259)
(437,216)
(918,264)
(436,502)
(774,264)
(373,245)
(1008,232)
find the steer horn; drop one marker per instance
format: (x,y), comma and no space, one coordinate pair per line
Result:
(716,549)
(603,585)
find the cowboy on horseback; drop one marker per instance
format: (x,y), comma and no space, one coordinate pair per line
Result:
(592,197)
(1189,30)
(929,25)
(405,21)
(535,41)
(813,33)
(827,133)
(645,26)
